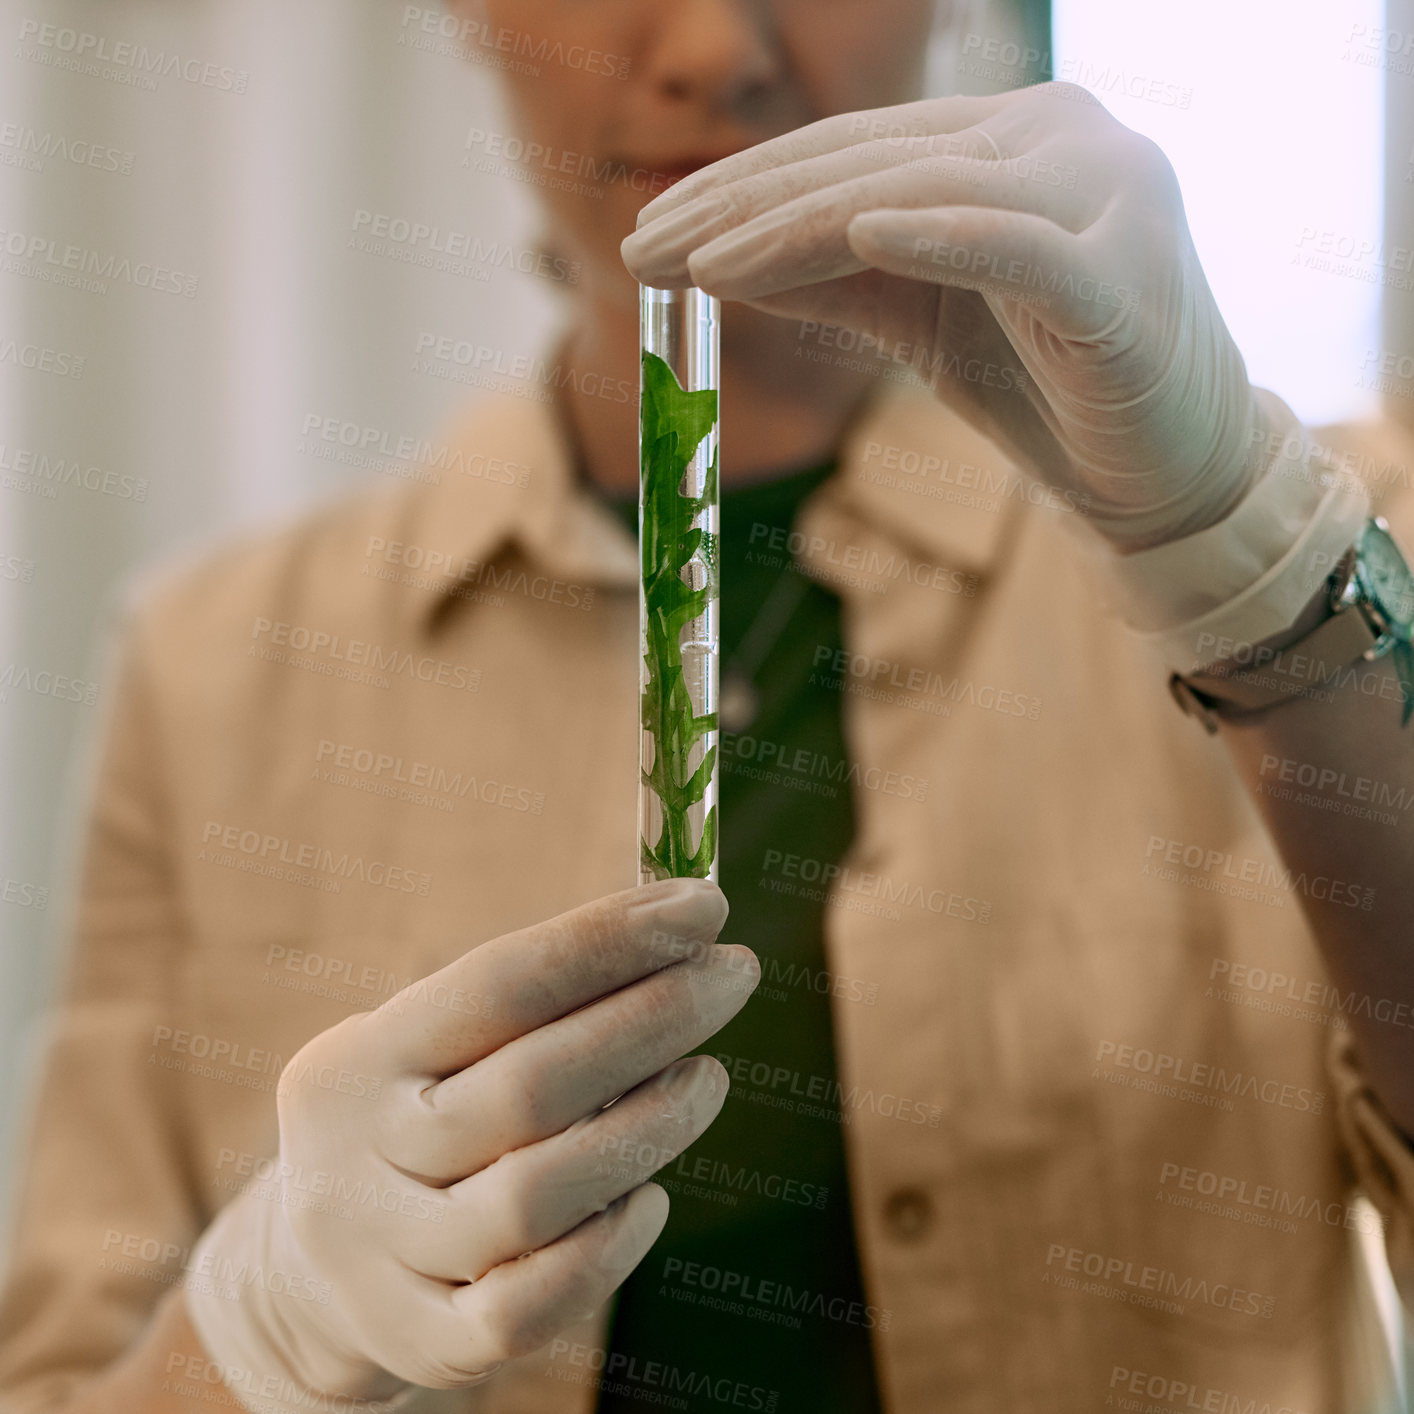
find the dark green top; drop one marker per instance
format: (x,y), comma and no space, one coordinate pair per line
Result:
(751,1298)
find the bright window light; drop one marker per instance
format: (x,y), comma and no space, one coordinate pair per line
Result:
(1280,152)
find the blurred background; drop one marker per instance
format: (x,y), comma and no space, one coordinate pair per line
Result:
(258,359)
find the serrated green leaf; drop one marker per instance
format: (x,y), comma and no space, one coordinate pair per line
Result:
(701,862)
(672,424)
(696,785)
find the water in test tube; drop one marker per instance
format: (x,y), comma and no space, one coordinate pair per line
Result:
(678,519)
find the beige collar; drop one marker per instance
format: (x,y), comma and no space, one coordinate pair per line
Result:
(910,470)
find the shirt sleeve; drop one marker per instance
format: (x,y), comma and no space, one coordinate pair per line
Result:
(1383,1159)
(105,1207)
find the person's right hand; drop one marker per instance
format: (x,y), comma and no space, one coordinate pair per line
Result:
(496,1200)
(963,236)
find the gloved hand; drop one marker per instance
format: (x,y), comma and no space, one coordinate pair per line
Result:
(959,235)
(465,1136)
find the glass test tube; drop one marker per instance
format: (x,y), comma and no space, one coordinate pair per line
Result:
(678,518)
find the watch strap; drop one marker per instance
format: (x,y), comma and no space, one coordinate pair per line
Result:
(1276,675)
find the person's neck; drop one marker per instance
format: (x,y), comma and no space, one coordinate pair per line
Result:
(781,411)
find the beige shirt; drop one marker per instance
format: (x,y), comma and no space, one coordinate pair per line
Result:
(1102,1131)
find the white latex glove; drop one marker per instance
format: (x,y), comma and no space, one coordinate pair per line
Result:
(1028,228)
(465,1137)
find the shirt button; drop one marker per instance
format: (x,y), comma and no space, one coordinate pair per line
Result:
(908,1212)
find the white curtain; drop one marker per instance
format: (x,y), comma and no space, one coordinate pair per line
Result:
(245,168)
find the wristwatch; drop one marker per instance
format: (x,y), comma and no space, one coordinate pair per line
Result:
(1365,609)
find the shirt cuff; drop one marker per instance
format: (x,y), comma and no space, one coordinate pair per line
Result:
(1204,597)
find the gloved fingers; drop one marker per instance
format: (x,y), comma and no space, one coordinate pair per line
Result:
(947,338)
(656,253)
(516,983)
(1046,273)
(792,208)
(520,1306)
(541,1083)
(885,328)
(905,125)
(788,227)
(530,1197)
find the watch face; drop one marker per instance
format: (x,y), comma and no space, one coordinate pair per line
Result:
(1385,576)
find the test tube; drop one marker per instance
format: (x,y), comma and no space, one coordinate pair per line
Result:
(678,516)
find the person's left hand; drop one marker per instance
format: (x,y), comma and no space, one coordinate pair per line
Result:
(966,236)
